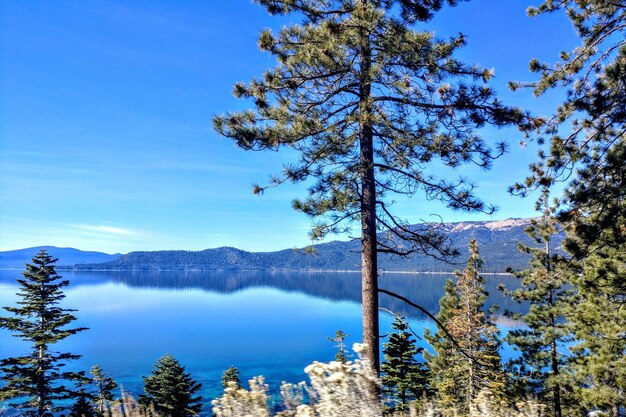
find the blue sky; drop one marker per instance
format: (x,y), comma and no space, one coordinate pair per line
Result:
(105,122)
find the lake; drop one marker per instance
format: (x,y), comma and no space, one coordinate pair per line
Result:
(264,323)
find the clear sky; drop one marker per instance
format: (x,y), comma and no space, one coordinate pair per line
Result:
(105,122)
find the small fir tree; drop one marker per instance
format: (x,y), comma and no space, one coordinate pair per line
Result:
(340,339)
(83,406)
(104,386)
(404,378)
(231,375)
(460,372)
(446,357)
(36,380)
(171,390)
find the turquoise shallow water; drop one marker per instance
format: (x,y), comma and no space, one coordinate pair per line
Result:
(265,323)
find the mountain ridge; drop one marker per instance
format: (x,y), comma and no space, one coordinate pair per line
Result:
(67,256)
(498,241)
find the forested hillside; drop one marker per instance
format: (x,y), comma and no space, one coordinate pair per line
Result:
(498,241)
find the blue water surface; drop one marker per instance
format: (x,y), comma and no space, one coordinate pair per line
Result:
(264,323)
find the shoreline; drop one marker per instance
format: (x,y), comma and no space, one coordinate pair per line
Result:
(346,271)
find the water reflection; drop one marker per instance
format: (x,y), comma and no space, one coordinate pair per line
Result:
(423,289)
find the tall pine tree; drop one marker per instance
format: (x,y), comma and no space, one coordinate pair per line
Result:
(460,372)
(587,138)
(37,380)
(404,378)
(368,103)
(542,341)
(171,390)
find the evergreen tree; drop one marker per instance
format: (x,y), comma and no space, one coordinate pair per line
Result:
(171,390)
(404,378)
(340,338)
(231,375)
(458,375)
(446,360)
(83,407)
(36,380)
(592,210)
(599,322)
(546,332)
(367,103)
(598,242)
(104,386)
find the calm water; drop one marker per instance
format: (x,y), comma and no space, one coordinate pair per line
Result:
(265,323)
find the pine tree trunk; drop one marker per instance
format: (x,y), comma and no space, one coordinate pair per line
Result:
(553,347)
(470,392)
(101,400)
(369,264)
(369,267)
(557,387)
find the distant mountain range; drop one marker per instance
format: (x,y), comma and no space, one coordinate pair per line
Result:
(66,256)
(498,241)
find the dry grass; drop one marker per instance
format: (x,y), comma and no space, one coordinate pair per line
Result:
(253,403)
(129,407)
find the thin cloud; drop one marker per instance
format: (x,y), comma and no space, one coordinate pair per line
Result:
(109,230)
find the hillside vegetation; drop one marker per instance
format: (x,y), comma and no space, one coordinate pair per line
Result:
(498,241)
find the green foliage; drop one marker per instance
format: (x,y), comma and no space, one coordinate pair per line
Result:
(83,407)
(448,379)
(231,375)
(104,386)
(171,390)
(594,73)
(340,338)
(36,380)
(459,373)
(404,378)
(599,322)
